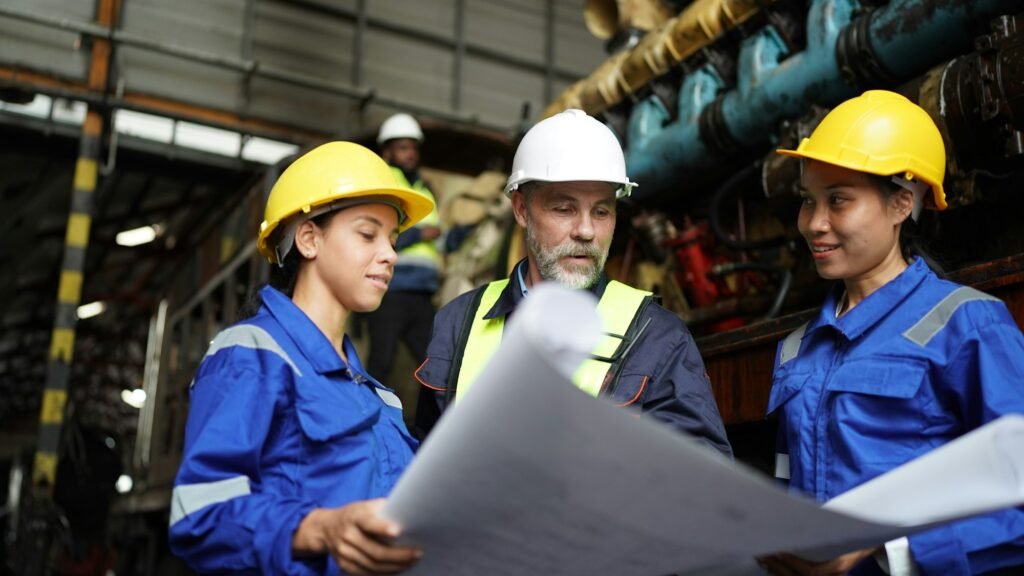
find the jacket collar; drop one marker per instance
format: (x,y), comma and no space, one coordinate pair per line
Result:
(875,307)
(306,335)
(512,295)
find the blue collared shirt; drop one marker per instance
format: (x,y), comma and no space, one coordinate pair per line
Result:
(916,364)
(279,424)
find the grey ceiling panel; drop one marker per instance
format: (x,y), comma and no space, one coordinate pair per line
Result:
(498,92)
(23,44)
(436,16)
(411,70)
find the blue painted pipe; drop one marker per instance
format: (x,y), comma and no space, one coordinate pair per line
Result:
(907,36)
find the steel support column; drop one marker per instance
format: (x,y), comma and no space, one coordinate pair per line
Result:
(76,241)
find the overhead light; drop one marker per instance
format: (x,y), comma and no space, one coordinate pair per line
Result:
(147,126)
(208,138)
(134,398)
(137,236)
(91,309)
(124,484)
(267,151)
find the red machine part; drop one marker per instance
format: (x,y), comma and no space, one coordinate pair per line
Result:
(692,246)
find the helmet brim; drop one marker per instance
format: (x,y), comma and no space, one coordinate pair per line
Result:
(416,206)
(938,193)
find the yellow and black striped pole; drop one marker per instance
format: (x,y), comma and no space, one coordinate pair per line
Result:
(69,292)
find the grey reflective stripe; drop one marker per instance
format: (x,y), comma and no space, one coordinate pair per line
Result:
(782,466)
(249,336)
(389,398)
(791,345)
(937,318)
(189,498)
(421,261)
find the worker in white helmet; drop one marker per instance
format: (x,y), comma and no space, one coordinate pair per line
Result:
(567,175)
(407,311)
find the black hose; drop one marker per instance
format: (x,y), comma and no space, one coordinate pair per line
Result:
(714,217)
(785,276)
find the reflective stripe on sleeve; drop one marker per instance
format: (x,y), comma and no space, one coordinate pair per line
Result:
(389,398)
(936,319)
(898,560)
(253,337)
(189,498)
(782,466)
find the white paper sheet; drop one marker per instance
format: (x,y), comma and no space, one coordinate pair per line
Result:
(528,475)
(973,474)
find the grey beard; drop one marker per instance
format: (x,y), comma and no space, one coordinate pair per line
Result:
(549,268)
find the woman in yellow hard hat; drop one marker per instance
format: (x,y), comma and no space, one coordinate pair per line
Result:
(290,444)
(898,361)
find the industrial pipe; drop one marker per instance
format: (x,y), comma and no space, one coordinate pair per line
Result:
(698,26)
(906,37)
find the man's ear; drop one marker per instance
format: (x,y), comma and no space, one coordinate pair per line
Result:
(307,239)
(519,207)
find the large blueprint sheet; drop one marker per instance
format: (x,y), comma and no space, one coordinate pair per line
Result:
(528,475)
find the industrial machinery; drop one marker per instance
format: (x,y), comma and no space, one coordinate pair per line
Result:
(700,94)
(701,101)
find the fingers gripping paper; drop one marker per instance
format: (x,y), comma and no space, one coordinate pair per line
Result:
(528,475)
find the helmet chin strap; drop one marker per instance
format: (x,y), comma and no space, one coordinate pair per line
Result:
(918,189)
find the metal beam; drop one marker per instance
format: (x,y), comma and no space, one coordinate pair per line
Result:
(460,53)
(357,44)
(439,40)
(174,110)
(250,66)
(549,50)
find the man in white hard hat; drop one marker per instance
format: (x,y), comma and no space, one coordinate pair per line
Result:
(567,175)
(407,311)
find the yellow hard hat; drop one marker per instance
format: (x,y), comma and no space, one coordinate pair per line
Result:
(331,172)
(883,133)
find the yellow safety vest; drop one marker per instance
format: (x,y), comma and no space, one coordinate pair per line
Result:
(619,306)
(423,253)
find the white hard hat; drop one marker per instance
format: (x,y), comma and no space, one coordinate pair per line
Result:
(399,126)
(570,146)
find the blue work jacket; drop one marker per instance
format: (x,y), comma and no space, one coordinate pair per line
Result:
(662,374)
(916,364)
(279,425)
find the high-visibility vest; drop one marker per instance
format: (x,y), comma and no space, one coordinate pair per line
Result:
(423,253)
(620,307)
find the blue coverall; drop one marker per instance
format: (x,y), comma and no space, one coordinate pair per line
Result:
(279,425)
(916,364)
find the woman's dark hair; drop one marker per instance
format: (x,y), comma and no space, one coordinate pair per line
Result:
(913,235)
(282,277)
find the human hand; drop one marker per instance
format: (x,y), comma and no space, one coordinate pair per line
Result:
(789,565)
(358,539)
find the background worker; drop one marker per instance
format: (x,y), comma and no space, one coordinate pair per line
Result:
(898,362)
(290,444)
(567,174)
(476,241)
(407,311)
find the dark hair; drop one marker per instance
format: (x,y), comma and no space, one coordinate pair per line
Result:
(282,277)
(913,235)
